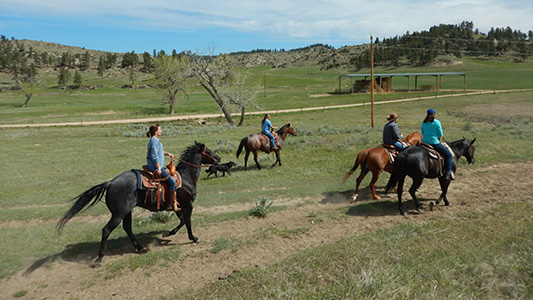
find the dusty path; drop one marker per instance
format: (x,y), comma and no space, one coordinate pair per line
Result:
(322,219)
(214,116)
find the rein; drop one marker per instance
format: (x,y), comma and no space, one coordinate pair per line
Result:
(196,166)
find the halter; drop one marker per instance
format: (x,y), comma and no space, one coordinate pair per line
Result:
(201,166)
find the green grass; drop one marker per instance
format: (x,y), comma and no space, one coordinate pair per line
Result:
(42,168)
(437,260)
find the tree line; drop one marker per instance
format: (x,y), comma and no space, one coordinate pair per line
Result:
(458,40)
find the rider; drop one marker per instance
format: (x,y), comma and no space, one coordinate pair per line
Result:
(266,127)
(432,134)
(156,159)
(391,133)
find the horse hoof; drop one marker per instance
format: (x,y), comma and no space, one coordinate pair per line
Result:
(431,205)
(166,233)
(447,204)
(353,198)
(142,251)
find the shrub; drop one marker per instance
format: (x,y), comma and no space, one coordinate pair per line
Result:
(261,208)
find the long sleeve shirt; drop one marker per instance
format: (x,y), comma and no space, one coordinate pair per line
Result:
(431,132)
(391,133)
(155,154)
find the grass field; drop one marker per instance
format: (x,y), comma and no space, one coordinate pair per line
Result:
(42,168)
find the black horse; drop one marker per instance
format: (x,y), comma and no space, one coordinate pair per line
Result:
(416,162)
(122,195)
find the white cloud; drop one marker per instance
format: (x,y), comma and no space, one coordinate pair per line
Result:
(285,19)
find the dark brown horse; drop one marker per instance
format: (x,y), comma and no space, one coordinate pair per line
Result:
(259,142)
(376,160)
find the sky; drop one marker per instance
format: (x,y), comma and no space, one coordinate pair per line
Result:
(243,25)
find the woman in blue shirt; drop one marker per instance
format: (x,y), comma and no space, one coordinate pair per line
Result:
(266,126)
(431,134)
(155,159)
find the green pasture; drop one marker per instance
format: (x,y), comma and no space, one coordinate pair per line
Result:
(279,88)
(42,168)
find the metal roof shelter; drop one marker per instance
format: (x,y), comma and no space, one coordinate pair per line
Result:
(438,78)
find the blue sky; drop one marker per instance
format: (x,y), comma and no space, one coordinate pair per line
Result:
(243,25)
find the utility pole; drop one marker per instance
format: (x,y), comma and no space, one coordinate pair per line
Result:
(372,78)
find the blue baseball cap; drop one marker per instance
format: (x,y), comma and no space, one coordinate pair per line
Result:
(431,111)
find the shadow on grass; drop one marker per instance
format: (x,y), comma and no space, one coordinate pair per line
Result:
(365,206)
(87,252)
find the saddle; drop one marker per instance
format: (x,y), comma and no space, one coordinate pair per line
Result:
(156,188)
(391,151)
(434,154)
(265,137)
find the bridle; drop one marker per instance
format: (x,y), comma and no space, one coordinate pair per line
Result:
(201,166)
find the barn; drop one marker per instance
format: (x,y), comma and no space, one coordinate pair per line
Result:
(360,83)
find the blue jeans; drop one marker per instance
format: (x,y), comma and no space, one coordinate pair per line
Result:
(399,146)
(171,182)
(272,142)
(447,156)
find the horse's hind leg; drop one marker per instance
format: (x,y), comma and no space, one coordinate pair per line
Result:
(126,224)
(401,181)
(106,231)
(417,182)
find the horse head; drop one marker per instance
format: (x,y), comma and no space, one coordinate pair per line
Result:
(287,128)
(208,156)
(414,138)
(469,153)
(465,148)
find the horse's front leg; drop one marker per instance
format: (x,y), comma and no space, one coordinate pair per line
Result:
(278,160)
(179,213)
(255,159)
(444,184)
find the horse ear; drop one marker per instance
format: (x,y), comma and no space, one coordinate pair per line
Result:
(472,142)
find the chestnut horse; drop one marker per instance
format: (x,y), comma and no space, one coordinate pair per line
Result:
(376,160)
(259,142)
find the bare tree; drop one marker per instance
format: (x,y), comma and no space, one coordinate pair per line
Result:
(29,87)
(229,88)
(171,74)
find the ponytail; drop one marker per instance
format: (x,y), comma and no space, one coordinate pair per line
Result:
(152,130)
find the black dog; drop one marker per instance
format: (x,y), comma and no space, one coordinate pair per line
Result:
(221,167)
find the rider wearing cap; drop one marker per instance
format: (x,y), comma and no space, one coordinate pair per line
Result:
(432,134)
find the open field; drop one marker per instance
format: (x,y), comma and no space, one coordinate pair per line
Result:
(312,245)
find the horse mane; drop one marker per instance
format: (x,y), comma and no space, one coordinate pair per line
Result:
(187,154)
(280,131)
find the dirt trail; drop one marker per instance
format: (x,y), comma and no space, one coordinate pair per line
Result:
(475,190)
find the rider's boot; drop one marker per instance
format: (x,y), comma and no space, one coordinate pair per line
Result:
(173,203)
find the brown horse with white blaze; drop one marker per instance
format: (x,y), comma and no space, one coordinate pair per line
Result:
(259,142)
(376,160)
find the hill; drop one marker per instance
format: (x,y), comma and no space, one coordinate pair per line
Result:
(27,58)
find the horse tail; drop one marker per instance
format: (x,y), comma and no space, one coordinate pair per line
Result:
(241,145)
(96,193)
(361,158)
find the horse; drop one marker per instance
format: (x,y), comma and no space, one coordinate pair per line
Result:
(416,163)
(255,142)
(376,160)
(122,195)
